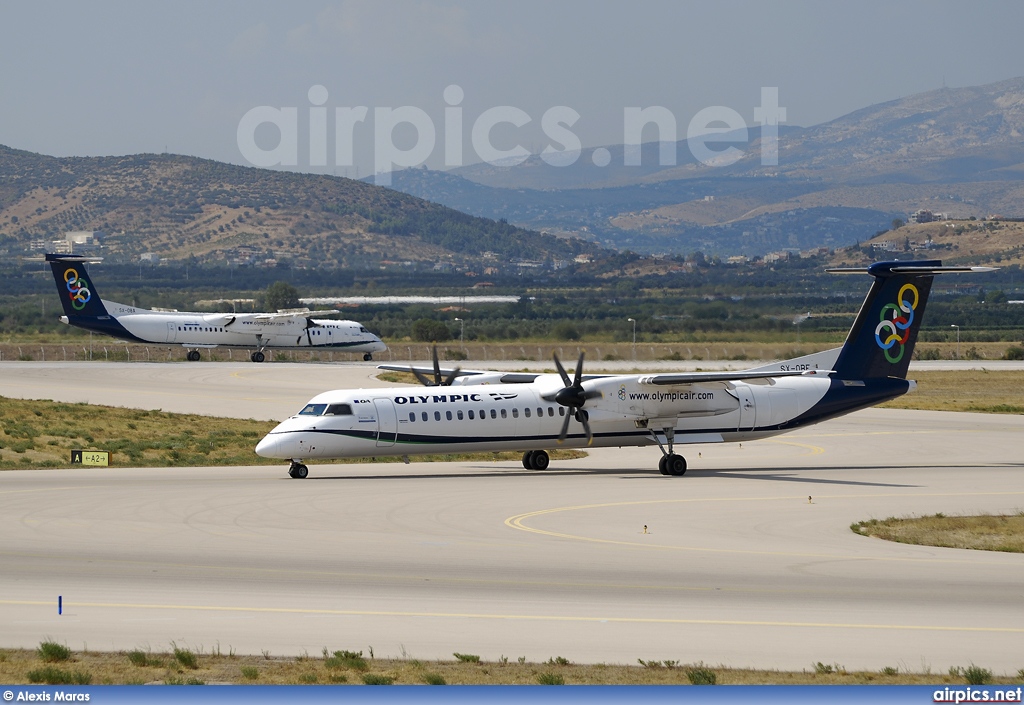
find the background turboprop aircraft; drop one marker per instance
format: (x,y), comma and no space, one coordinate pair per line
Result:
(194,331)
(491,411)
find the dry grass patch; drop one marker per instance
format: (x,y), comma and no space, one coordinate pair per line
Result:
(985,533)
(965,390)
(120,668)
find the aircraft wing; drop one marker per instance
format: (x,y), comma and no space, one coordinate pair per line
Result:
(292,315)
(493,376)
(699,377)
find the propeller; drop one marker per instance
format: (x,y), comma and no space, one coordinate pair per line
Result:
(574,397)
(438,381)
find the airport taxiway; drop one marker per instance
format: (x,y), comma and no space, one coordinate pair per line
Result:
(748,560)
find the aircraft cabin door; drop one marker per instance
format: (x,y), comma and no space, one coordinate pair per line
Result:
(387,422)
(746,397)
(172,330)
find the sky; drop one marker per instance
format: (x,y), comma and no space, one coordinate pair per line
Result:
(112,78)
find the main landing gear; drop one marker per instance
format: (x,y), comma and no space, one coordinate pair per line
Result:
(670,463)
(192,356)
(298,471)
(258,356)
(367,357)
(536,460)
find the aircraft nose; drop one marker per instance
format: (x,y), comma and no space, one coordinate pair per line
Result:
(276,445)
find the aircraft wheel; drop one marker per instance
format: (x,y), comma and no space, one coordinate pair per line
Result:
(661,465)
(528,460)
(298,471)
(367,357)
(540,460)
(675,464)
(193,356)
(258,356)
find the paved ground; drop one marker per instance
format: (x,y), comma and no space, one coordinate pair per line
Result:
(748,560)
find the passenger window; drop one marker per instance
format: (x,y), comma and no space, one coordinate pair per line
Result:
(561,411)
(494,414)
(483,414)
(412,416)
(448,415)
(424,415)
(437,416)
(470,414)
(551,411)
(504,414)
(459,413)
(515,413)
(527,412)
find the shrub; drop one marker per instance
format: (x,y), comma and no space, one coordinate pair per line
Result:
(308,678)
(141,658)
(250,672)
(434,679)
(701,675)
(184,681)
(377,679)
(347,659)
(976,675)
(550,679)
(1014,352)
(51,675)
(467,658)
(52,652)
(890,671)
(185,657)
(823,668)
(559,661)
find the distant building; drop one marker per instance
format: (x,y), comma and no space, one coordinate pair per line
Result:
(150,257)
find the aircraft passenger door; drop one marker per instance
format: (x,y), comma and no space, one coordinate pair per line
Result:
(746,397)
(387,422)
(172,330)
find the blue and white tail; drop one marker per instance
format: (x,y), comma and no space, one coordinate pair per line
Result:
(881,341)
(78,296)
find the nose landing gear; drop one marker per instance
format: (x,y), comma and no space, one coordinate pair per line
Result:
(298,471)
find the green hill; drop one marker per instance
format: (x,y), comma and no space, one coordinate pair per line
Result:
(180,207)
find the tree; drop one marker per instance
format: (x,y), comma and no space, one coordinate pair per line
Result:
(430,331)
(281,295)
(897,223)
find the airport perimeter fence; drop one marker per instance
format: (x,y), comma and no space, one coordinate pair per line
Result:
(453,353)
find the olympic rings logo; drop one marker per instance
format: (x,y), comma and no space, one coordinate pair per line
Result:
(894,327)
(77,290)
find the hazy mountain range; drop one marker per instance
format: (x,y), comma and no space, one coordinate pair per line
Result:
(957,151)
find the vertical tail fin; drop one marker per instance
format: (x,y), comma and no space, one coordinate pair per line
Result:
(881,341)
(77,294)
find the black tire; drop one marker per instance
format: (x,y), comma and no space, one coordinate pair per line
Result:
(299,472)
(258,357)
(661,465)
(193,356)
(528,460)
(541,460)
(676,465)
(367,357)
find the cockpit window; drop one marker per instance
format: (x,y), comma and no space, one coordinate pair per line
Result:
(313,410)
(363,330)
(339,410)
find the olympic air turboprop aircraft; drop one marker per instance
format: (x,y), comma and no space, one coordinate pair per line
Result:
(196,331)
(463,410)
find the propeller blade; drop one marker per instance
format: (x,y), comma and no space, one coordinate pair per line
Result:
(584,419)
(424,380)
(579,370)
(565,426)
(450,378)
(437,367)
(561,371)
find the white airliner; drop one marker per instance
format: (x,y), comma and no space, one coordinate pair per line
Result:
(462,410)
(295,329)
